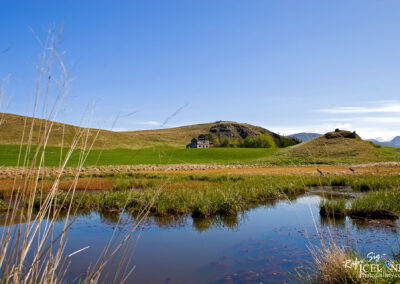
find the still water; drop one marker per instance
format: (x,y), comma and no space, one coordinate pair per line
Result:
(265,244)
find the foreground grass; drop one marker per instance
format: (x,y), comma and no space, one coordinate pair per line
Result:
(333,264)
(204,195)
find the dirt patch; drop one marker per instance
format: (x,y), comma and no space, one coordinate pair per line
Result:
(392,168)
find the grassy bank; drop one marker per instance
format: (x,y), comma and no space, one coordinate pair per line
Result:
(203,195)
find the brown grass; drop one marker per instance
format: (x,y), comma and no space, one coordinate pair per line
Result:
(330,265)
(90,184)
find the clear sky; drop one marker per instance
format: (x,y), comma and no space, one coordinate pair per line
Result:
(287,65)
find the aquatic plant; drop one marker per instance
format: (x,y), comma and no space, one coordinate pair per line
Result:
(331,208)
(377,204)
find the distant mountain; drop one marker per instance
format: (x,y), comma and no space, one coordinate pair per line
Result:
(304,136)
(395,142)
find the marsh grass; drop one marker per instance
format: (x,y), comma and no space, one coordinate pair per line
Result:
(332,208)
(377,204)
(207,195)
(200,196)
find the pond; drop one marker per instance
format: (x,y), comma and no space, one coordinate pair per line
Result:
(265,244)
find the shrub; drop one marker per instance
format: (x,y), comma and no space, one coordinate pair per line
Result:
(265,141)
(248,142)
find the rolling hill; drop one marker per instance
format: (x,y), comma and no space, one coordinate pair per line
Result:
(167,146)
(333,147)
(12,128)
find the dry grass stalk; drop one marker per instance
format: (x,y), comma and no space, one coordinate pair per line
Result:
(31,251)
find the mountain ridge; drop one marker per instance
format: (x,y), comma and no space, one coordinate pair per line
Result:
(395,142)
(305,136)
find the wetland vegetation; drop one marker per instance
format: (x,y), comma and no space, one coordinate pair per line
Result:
(215,194)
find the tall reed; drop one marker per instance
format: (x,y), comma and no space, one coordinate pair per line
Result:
(32,250)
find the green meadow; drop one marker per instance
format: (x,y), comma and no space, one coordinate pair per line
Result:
(150,156)
(9,155)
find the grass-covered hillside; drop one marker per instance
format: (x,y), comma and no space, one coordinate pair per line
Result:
(336,147)
(15,127)
(167,146)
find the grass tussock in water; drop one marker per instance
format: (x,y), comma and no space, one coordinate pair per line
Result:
(377,204)
(332,208)
(380,204)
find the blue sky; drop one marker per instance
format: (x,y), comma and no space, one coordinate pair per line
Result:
(289,66)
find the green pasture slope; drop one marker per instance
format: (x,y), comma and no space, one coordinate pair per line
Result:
(148,156)
(170,155)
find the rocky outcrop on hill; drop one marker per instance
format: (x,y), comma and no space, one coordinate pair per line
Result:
(341,134)
(232,131)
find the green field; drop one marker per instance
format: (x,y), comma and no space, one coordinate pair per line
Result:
(163,156)
(149,156)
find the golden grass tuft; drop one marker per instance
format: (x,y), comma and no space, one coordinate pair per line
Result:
(330,266)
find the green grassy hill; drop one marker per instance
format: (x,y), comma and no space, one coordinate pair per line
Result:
(337,147)
(13,126)
(167,146)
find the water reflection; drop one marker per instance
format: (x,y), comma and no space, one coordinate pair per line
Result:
(231,222)
(265,244)
(333,221)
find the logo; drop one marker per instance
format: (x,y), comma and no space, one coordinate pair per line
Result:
(374,266)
